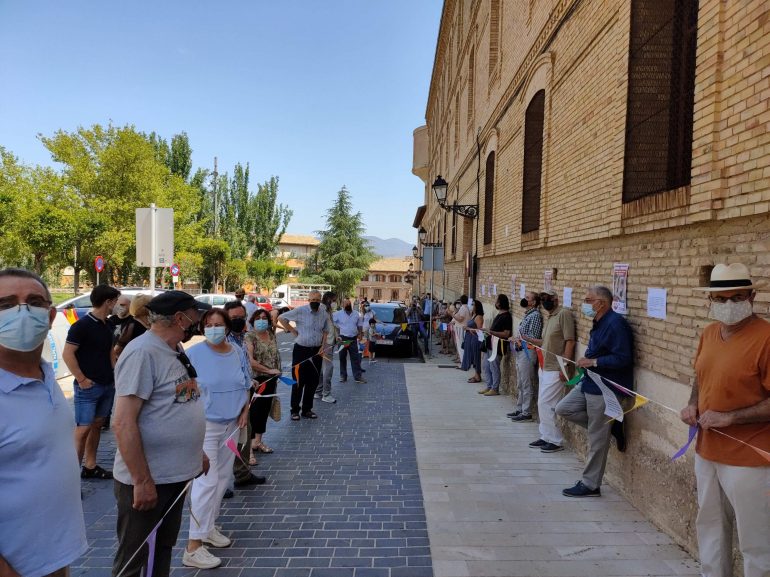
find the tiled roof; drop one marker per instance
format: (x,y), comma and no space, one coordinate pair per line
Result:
(400,264)
(301,239)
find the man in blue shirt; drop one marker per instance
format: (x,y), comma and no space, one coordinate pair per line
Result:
(610,355)
(42,530)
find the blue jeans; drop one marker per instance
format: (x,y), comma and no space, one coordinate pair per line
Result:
(491,371)
(93,403)
(355,359)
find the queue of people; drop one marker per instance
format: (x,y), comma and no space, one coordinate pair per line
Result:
(177,409)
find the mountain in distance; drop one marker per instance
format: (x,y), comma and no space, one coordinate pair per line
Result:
(389,247)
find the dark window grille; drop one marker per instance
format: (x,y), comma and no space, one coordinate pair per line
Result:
(489,197)
(533,163)
(661,87)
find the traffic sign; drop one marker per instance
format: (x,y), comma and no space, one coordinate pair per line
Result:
(99,264)
(174,269)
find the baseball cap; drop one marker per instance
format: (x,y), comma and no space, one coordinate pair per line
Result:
(171,302)
(549,292)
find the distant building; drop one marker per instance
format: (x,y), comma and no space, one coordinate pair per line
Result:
(294,250)
(387,280)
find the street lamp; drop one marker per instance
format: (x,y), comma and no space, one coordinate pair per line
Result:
(415,253)
(422,235)
(465,210)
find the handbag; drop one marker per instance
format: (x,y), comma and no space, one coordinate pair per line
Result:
(275,409)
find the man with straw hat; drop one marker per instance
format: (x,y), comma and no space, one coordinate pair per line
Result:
(730,404)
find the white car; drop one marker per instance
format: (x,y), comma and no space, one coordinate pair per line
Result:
(217,301)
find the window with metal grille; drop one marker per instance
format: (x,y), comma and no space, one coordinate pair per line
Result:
(489,197)
(394,295)
(533,163)
(661,86)
(494,35)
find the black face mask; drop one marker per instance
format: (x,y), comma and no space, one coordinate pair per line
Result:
(524,303)
(238,324)
(349,309)
(314,306)
(549,305)
(190,332)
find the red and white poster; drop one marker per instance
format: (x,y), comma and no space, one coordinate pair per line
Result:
(620,288)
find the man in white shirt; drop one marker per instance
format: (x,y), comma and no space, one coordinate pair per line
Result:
(348,323)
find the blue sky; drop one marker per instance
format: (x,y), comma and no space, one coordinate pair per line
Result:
(319,93)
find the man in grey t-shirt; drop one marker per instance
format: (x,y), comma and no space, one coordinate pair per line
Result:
(159,425)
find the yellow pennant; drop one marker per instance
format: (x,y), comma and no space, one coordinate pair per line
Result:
(403,326)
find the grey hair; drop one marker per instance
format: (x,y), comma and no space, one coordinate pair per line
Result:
(314,292)
(602,292)
(24,273)
(157,318)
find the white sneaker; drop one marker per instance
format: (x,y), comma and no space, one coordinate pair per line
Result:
(216,539)
(372,361)
(317,396)
(328,399)
(200,558)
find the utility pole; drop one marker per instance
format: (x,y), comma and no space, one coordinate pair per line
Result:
(216,216)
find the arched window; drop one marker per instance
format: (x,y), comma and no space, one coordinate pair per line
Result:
(395,278)
(533,163)
(489,197)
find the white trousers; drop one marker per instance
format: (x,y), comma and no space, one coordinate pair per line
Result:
(548,396)
(724,492)
(459,336)
(207,490)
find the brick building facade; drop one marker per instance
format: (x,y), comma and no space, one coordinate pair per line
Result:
(591,133)
(387,280)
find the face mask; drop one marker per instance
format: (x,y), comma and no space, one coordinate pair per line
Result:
(190,331)
(588,310)
(367,309)
(314,306)
(334,306)
(730,313)
(549,305)
(120,310)
(348,309)
(214,335)
(261,325)
(23,330)
(524,303)
(238,324)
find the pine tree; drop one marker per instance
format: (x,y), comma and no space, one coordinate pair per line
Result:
(343,256)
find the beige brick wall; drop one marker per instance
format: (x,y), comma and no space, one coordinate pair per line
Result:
(577,51)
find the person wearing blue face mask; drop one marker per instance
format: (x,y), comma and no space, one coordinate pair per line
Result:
(224,379)
(610,354)
(42,530)
(262,351)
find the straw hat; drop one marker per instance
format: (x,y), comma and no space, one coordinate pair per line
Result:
(728,277)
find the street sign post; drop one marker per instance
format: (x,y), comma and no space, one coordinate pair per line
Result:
(154,239)
(174,268)
(99,266)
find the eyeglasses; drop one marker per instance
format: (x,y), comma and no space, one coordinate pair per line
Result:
(739,298)
(40,303)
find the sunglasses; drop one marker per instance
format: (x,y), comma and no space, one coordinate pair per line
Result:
(191,372)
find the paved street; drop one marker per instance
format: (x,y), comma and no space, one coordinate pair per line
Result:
(348,495)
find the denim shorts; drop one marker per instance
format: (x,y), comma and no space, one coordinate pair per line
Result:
(94,402)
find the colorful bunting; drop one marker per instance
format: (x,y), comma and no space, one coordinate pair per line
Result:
(690,438)
(287,381)
(151,553)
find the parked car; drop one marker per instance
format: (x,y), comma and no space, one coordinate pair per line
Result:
(263,302)
(390,318)
(217,301)
(280,305)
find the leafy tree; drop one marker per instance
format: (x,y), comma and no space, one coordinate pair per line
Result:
(343,256)
(267,274)
(215,253)
(180,157)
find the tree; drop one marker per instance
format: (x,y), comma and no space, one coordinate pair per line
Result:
(180,157)
(344,255)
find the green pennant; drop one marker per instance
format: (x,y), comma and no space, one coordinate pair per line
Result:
(576,379)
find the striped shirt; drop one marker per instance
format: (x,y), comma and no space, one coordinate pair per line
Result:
(310,325)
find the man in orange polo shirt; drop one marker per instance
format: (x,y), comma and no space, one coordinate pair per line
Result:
(730,402)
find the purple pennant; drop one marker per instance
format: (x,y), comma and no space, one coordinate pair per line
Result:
(690,438)
(151,553)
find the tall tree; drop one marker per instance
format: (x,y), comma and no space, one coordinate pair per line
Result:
(180,157)
(343,256)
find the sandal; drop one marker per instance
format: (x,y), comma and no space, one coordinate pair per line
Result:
(295,416)
(252,459)
(309,415)
(474,380)
(96,473)
(262,448)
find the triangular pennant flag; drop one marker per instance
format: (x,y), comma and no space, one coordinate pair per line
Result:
(296,375)
(691,435)
(576,379)
(562,366)
(493,352)
(639,401)
(612,407)
(151,552)
(403,326)
(287,381)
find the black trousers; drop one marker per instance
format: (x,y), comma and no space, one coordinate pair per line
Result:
(307,375)
(260,408)
(134,526)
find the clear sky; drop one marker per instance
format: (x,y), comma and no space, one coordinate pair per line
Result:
(320,93)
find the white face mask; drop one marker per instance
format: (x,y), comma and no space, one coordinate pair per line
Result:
(730,313)
(120,310)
